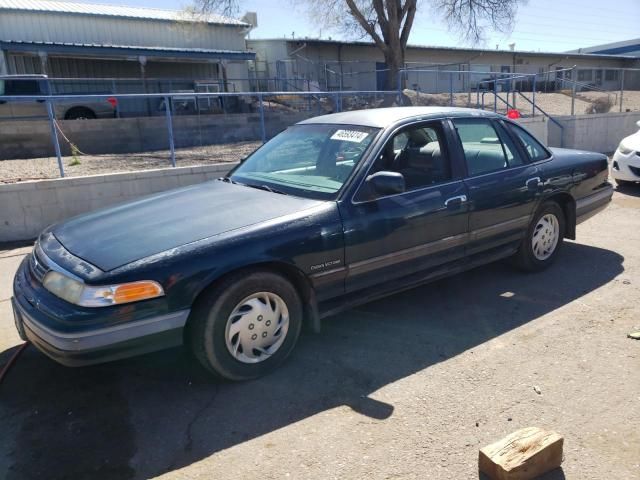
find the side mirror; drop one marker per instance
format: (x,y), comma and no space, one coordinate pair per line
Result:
(386,183)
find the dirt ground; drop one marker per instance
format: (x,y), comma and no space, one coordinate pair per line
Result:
(554,103)
(12,171)
(407,387)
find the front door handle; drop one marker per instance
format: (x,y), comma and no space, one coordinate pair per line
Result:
(455,202)
(533,183)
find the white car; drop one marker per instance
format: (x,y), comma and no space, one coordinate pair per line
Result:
(626,161)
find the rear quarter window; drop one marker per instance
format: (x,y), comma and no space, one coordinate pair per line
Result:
(534,148)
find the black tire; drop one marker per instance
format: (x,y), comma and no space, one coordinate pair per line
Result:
(525,258)
(80,113)
(206,328)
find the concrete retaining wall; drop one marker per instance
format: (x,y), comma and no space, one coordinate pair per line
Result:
(597,133)
(32,138)
(29,207)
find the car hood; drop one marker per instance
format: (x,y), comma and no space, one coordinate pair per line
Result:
(632,141)
(115,236)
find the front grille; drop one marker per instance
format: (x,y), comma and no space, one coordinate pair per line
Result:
(37,265)
(635,170)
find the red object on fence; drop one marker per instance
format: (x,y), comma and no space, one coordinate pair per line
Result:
(513,113)
(113,101)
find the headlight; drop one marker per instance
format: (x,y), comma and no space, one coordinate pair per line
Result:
(78,293)
(624,150)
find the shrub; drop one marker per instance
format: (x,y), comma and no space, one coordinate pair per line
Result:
(600,105)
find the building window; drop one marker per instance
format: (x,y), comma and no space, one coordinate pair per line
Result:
(611,75)
(585,75)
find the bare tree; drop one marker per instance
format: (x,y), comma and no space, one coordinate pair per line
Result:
(228,8)
(388,22)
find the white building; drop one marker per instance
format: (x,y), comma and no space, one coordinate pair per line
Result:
(304,63)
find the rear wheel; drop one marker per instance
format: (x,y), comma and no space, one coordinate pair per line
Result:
(246,326)
(543,240)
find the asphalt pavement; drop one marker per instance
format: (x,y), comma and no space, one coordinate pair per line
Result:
(406,387)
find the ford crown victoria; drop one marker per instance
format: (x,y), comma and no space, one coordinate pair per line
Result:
(335,211)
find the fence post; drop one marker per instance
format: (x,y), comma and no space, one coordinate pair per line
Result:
(573,97)
(337,102)
(54,136)
(533,96)
(262,125)
(495,94)
(451,89)
(621,88)
(172,146)
(114,90)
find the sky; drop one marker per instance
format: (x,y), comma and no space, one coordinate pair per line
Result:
(540,25)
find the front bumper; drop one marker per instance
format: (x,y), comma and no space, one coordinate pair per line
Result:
(61,330)
(626,167)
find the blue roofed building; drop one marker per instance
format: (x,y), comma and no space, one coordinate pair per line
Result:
(68,39)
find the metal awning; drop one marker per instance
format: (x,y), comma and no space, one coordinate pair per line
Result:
(95,50)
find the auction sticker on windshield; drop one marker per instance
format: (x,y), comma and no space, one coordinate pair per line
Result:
(349,136)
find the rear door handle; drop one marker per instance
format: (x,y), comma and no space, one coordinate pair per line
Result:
(533,183)
(455,202)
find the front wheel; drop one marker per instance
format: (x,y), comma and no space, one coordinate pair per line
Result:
(245,326)
(543,240)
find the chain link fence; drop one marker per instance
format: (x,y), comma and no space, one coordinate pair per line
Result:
(40,140)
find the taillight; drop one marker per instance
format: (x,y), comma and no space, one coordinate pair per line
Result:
(113,101)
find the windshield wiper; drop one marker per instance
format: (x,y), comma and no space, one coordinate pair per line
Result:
(265,187)
(259,187)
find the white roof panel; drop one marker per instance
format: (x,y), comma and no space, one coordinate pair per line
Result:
(384,117)
(115,11)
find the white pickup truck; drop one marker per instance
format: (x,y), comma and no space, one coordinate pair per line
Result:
(28,108)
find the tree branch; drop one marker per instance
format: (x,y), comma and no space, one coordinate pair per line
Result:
(410,11)
(369,28)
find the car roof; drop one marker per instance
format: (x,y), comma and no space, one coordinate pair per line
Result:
(384,117)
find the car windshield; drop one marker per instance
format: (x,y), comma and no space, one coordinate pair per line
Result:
(312,160)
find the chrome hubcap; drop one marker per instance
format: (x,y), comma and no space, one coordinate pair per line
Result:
(545,236)
(257,327)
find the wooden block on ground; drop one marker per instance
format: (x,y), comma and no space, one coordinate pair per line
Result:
(522,455)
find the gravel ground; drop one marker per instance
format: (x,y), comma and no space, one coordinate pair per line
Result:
(406,387)
(38,168)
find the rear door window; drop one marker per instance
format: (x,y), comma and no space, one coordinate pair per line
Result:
(485,149)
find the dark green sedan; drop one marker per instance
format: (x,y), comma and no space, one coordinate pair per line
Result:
(333,212)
